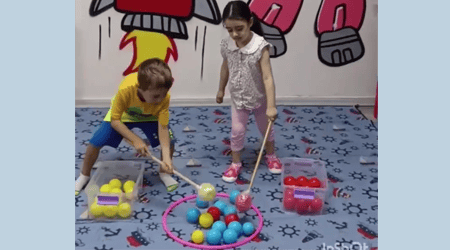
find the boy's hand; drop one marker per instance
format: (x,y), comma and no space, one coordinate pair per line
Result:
(141,148)
(167,167)
(219,97)
(272,114)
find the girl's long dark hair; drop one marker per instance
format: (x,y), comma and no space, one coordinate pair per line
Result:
(240,10)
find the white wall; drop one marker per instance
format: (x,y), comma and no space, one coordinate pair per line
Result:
(300,77)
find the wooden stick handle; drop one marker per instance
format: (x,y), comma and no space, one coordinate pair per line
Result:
(178,173)
(260,154)
(186,179)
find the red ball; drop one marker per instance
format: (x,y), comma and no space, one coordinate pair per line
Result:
(288,192)
(289,203)
(302,206)
(230,218)
(302,181)
(314,183)
(316,205)
(215,212)
(289,181)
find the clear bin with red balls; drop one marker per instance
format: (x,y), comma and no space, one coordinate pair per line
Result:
(305,185)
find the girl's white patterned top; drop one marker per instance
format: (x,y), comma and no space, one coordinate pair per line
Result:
(245,77)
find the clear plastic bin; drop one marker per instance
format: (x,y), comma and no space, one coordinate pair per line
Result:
(106,171)
(304,200)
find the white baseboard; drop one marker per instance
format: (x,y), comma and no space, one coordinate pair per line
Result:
(292,101)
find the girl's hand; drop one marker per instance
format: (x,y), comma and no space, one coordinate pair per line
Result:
(272,114)
(219,97)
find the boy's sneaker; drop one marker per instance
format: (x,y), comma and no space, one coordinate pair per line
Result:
(81,183)
(274,164)
(231,174)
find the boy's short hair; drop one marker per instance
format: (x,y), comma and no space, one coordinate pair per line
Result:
(156,73)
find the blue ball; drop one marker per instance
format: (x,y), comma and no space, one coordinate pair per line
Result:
(213,237)
(230,236)
(220,205)
(236,226)
(192,215)
(201,204)
(233,196)
(230,210)
(219,225)
(248,228)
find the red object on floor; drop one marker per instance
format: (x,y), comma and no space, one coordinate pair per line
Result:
(375,108)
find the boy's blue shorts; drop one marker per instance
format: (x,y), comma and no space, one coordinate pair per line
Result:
(107,136)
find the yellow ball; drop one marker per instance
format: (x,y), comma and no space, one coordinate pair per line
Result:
(207,192)
(110,211)
(96,210)
(197,236)
(128,184)
(124,210)
(129,193)
(116,191)
(106,188)
(205,220)
(115,183)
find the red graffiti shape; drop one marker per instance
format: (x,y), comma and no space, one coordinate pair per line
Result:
(337,14)
(279,13)
(171,8)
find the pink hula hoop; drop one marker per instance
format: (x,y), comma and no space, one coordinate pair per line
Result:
(198,246)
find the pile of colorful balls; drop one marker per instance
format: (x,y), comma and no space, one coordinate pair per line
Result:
(220,232)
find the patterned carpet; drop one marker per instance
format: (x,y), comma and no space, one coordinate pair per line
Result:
(348,222)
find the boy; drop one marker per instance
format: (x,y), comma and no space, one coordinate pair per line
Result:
(141,102)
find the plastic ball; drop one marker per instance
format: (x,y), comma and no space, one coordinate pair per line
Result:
(128,184)
(289,192)
(124,210)
(213,237)
(115,183)
(236,226)
(229,210)
(219,225)
(110,211)
(302,181)
(243,202)
(221,205)
(197,236)
(105,188)
(205,220)
(289,203)
(116,191)
(230,218)
(201,204)
(248,228)
(207,192)
(96,209)
(230,236)
(289,181)
(192,215)
(316,205)
(129,193)
(215,212)
(302,206)
(233,196)
(314,183)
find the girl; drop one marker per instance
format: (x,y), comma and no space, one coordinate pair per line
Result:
(246,67)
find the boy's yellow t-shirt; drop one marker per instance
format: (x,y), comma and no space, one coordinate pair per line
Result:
(127,107)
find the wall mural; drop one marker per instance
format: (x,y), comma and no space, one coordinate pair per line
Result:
(337,26)
(158,23)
